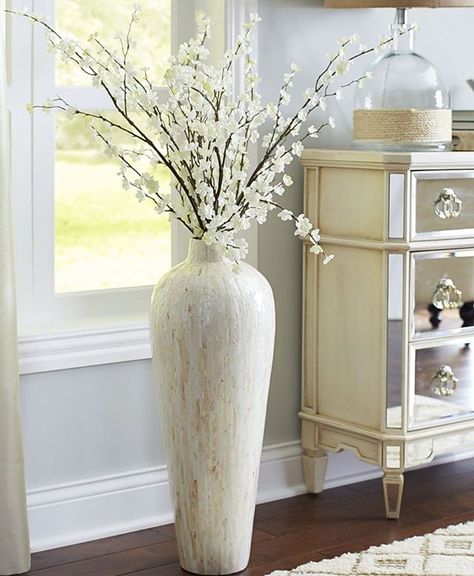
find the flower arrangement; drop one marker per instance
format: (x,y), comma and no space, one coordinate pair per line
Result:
(203,133)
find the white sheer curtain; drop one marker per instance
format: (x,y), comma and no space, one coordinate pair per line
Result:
(14,541)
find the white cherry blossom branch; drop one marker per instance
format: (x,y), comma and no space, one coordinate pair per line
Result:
(203,132)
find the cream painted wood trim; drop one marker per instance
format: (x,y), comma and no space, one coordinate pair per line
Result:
(74,349)
(309,349)
(420,342)
(393,492)
(389,435)
(401,246)
(388,160)
(315,465)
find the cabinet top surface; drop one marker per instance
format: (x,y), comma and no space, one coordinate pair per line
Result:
(381,159)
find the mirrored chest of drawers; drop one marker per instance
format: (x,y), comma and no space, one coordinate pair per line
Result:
(388,325)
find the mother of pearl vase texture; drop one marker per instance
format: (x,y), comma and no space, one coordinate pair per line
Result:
(213,329)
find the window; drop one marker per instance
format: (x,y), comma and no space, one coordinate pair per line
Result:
(94,251)
(104,239)
(87,252)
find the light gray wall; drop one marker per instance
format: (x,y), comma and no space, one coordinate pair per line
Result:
(89,422)
(102,420)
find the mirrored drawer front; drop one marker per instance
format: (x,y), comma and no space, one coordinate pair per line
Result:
(443,387)
(443,204)
(442,285)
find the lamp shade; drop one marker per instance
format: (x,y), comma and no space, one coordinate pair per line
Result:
(398,3)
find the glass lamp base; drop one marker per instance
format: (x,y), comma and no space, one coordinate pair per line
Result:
(404,106)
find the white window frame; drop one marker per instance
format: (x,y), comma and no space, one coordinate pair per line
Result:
(103,306)
(60,331)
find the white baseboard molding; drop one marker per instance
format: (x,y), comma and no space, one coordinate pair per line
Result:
(83,511)
(100,507)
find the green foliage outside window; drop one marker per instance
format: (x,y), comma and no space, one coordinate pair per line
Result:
(104,237)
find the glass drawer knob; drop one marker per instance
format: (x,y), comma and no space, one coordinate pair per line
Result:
(446,295)
(444,381)
(447,205)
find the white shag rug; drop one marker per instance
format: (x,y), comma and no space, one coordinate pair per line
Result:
(446,552)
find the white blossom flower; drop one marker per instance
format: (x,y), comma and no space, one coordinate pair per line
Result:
(285,97)
(302,115)
(296,130)
(272,109)
(285,215)
(328,259)
(297,148)
(327,77)
(331,122)
(303,226)
(287,180)
(48,105)
(342,67)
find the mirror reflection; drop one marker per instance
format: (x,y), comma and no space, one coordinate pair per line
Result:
(444,383)
(434,215)
(444,291)
(394,340)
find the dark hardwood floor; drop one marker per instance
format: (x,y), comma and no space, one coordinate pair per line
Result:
(292,531)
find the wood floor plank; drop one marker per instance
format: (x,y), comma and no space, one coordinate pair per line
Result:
(324,509)
(172,569)
(270,510)
(117,564)
(67,554)
(167,530)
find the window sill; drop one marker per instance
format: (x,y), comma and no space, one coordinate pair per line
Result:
(61,350)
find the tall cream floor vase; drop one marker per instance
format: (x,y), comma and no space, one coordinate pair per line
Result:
(14,540)
(213,334)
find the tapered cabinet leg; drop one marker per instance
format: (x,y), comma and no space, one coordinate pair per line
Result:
(315,464)
(392,493)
